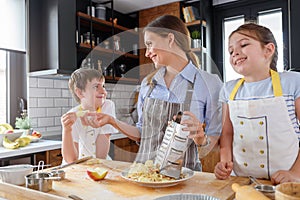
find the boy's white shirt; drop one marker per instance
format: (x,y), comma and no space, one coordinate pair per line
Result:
(86,136)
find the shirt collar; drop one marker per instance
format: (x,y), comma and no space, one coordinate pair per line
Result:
(187,73)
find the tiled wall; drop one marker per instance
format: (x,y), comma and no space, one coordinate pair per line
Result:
(50,98)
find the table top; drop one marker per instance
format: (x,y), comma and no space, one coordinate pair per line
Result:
(42,145)
(115,187)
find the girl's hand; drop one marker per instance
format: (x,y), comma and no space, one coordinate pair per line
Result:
(194,126)
(223,169)
(67,120)
(282,176)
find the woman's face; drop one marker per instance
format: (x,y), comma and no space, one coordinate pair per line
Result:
(247,56)
(157,48)
(94,94)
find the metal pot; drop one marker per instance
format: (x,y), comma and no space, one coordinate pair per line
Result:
(40,181)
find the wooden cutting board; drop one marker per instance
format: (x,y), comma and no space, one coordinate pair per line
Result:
(115,187)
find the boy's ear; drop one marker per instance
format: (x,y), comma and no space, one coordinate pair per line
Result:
(78,93)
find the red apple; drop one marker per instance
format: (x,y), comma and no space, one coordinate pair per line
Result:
(9,131)
(36,134)
(97,173)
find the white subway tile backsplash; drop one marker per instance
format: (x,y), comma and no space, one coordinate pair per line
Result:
(54,129)
(33,82)
(53,112)
(66,93)
(57,121)
(47,121)
(65,110)
(49,99)
(45,83)
(61,84)
(37,112)
(53,92)
(33,102)
(45,102)
(37,92)
(60,102)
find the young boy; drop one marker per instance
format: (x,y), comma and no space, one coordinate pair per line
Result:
(87,87)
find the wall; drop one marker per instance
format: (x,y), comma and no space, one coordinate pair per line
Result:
(50,98)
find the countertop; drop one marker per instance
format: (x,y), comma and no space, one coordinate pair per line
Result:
(42,145)
(115,187)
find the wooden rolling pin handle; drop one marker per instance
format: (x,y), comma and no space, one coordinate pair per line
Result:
(247,192)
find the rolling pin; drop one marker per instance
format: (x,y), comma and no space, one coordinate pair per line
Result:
(247,192)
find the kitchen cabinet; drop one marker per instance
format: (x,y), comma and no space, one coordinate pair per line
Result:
(124,149)
(107,44)
(51,37)
(52,157)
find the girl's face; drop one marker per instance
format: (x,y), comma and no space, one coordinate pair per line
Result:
(157,48)
(94,94)
(247,56)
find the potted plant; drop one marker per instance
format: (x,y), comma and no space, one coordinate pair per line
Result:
(23,122)
(196,39)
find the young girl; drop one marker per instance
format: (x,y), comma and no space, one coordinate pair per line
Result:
(87,87)
(261,112)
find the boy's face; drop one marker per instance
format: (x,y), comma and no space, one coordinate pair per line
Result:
(94,94)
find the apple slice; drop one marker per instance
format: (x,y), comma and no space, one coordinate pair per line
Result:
(97,174)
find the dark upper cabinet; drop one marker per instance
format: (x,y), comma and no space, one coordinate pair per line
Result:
(51,37)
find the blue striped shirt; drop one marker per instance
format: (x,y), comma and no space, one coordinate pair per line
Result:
(204,102)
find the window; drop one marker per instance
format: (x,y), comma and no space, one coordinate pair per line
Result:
(3,81)
(265,13)
(12,58)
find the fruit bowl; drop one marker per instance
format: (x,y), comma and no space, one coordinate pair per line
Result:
(15,174)
(16,133)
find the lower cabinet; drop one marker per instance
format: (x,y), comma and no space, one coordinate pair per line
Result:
(52,157)
(124,149)
(210,160)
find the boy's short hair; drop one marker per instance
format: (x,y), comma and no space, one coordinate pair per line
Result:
(80,77)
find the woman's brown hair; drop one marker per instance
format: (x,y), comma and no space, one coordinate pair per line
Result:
(166,24)
(261,34)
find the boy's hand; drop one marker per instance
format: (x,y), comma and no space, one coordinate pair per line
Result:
(223,169)
(67,120)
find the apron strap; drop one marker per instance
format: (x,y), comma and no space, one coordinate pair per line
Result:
(276,83)
(277,89)
(235,89)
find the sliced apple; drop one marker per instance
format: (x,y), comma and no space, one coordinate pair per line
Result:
(97,173)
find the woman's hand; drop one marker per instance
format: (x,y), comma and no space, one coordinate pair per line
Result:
(282,176)
(96,120)
(223,169)
(194,126)
(67,120)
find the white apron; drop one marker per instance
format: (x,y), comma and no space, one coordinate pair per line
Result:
(264,140)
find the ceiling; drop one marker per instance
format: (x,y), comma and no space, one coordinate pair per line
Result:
(129,6)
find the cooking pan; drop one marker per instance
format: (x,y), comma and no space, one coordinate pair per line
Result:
(40,181)
(261,187)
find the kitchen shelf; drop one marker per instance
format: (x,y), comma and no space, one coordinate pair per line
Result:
(100,31)
(196,22)
(103,25)
(87,47)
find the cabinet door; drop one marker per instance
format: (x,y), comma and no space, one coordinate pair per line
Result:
(146,16)
(52,157)
(125,150)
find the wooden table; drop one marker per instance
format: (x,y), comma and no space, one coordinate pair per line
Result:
(115,187)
